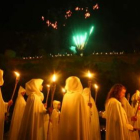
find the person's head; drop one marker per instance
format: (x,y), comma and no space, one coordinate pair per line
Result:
(73,84)
(117,91)
(59,106)
(34,86)
(1,77)
(86,92)
(56,104)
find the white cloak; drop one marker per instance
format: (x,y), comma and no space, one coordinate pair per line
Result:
(73,117)
(116,121)
(94,126)
(55,119)
(3,108)
(130,112)
(17,115)
(32,126)
(134,98)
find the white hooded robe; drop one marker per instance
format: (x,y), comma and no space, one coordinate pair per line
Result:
(73,118)
(134,98)
(130,113)
(55,119)
(32,126)
(3,107)
(94,126)
(17,115)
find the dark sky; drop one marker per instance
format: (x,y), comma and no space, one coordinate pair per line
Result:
(117,22)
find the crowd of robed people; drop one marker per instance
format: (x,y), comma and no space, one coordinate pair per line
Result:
(76,119)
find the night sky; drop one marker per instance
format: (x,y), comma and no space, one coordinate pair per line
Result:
(117,25)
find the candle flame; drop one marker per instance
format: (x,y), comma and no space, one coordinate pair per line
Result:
(54,78)
(17,74)
(48,85)
(96,86)
(89,74)
(63,90)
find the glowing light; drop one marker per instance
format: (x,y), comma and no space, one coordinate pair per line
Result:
(96,86)
(68,14)
(80,40)
(54,78)
(89,75)
(77,9)
(91,30)
(87,15)
(42,18)
(73,49)
(54,25)
(48,23)
(17,75)
(63,90)
(96,7)
(86,9)
(48,86)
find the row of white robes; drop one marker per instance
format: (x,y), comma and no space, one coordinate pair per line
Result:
(77,121)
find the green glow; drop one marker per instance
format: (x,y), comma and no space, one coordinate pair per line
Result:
(80,40)
(91,30)
(73,49)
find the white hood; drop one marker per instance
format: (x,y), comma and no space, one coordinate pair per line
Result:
(73,85)
(32,87)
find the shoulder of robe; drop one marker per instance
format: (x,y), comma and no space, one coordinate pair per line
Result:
(114,102)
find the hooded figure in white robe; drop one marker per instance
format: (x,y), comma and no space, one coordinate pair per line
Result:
(55,119)
(17,115)
(94,126)
(130,113)
(3,107)
(135,104)
(32,125)
(73,117)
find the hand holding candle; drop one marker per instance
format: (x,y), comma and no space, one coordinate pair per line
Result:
(16,82)
(11,101)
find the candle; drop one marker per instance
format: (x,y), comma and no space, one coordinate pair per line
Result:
(53,88)
(48,91)
(89,75)
(16,82)
(96,90)
(17,75)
